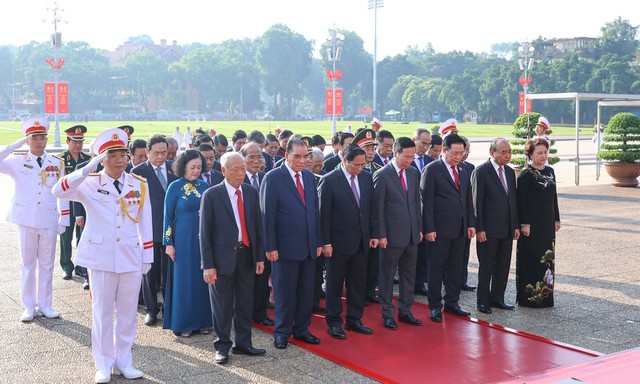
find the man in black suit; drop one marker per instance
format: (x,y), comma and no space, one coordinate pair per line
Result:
(448,220)
(384,150)
(345,204)
(331,163)
(211,175)
(137,153)
(157,171)
(220,145)
(495,203)
(232,254)
(238,139)
(335,142)
(398,225)
(293,240)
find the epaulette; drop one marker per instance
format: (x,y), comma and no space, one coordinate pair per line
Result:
(144,180)
(94,174)
(59,155)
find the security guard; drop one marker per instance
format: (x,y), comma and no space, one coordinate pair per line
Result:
(72,157)
(116,247)
(39,217)
(366,139)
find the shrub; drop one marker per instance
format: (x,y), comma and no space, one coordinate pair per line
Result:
(621,139)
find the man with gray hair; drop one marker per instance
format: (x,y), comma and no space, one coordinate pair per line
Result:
(317,160)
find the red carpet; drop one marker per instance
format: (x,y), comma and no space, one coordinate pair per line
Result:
(458,350)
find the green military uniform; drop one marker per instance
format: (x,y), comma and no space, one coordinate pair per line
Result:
(75,133)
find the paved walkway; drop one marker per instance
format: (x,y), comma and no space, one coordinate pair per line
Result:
(597,304)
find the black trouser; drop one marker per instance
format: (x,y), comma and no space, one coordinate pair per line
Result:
(494,257)
(352,270)
(422,264)
(318,280)
(152,280)
(373,269)
(261,293)
(66,238)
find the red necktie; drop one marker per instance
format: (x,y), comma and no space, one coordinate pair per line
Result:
(300,189)
(243,221)
(455,175)
(404,184)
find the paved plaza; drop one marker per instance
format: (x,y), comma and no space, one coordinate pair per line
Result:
(597,300)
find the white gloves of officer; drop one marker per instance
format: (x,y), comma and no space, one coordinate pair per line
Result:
(145,268)
(61,229)
(17,144)
(93,164)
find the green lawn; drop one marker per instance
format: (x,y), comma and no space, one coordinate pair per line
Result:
(10,131)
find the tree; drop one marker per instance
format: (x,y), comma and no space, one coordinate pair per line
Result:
(140,40)
(6,76)
(146,73)
(619,37)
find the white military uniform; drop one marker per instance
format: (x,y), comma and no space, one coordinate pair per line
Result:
(115,243)
(187,139)
(38,216)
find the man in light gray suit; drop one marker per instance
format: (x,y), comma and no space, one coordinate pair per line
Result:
(397,218)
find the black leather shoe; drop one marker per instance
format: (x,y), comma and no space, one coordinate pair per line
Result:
(484,309)
(422,291)
(456,310)
(66,275)
(337,332)
(468,288)
(358,327)
(280,342)
(502,305)
(308,338)
(249,351)
(150,319)
(373,299)
(77,271)
(390,324)
(436,315)
(318,310)
(221,357)
(266,321)
(409,319)
(85,284)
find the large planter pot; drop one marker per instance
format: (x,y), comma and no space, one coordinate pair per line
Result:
(623,174)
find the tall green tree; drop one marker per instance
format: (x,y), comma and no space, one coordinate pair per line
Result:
(619,37)
(146,73)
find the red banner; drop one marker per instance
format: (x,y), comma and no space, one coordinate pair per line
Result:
(50,98)
(329,108)
(521,104)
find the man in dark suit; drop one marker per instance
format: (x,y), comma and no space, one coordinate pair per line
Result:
(157,171)
(448,220)
(384,150)
(422,138)
(345,204)
(467,243)
(232,254)
(398,224)
(289,203)
(331,163)
(210,174)
(495,203)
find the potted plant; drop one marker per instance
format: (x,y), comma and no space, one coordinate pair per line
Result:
(621,149)
(524,128)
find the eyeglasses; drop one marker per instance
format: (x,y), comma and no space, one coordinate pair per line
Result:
(456,154)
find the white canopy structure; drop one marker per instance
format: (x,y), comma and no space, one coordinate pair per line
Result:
(578,97)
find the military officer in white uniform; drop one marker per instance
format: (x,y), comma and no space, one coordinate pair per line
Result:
(39,217)
(116,247)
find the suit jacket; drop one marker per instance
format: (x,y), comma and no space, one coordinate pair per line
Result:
(156,193)
(331,163)
(345,224)
(396,215)
(216,177)
(219,232)
(260,178)
(268,159)
(290,227)
(496,210)
(447,211)
(426,159)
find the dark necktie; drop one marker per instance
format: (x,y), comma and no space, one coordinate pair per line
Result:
(385,161)
(421,160)
(502,180)
(161,178)
(355,190)
(39,159)
(207,177)
(456,177)
(404,183)
(300,189)
(116,184)
(243,221)
(254,181)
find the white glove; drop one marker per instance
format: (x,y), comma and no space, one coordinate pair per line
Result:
(61,229)
(17,144)
(93,164)
(145,268)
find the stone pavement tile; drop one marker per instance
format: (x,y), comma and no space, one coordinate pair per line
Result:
(325,371)
(18,374)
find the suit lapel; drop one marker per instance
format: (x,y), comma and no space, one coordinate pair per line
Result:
(289,182)
(494,176)
(444,167)
(226,200)
(347,187)
(395,177)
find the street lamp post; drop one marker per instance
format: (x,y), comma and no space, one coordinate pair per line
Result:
(526,64)
(333,54)
(375,4)
(56,42)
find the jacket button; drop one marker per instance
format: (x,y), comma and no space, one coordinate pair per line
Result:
(118,226)
(117,239)
(118,202)
(117,213)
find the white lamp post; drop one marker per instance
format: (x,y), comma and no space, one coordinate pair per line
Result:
(56,42)
(334,54)
(526,64)
(375,4)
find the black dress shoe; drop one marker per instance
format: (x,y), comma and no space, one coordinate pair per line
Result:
(456,310)
(358,327)
(77,271)
(150,319)
(468,288)
(308,338)
(221,357)
(66,275)
(484,309)
(249,351)
(373,299)
(436,315)
(280,342)
(502,305)
(421,290)
(318,310)
(266,321)
(390,324)
(396,281)
(85,284)
(337,332)
(409,319)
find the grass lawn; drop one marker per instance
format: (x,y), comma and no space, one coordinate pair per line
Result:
(10,131)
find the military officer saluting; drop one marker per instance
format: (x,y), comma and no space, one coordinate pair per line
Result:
(37,213)
(116,247)
(72,157)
